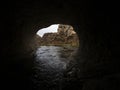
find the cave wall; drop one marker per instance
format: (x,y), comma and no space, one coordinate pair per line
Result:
(96,25)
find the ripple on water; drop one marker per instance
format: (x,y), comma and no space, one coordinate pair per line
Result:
(49,66)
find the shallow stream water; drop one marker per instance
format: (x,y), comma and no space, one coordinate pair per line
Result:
(49,66)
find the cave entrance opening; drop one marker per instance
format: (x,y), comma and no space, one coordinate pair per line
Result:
(56,50)
(58,35)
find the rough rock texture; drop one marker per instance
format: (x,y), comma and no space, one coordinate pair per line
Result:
(66,30)
(37,40)
(65,36)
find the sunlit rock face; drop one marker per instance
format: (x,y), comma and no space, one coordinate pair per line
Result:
(65,36)
(66,30)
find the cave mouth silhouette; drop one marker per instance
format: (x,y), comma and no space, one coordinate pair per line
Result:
(57,35)
(55,57)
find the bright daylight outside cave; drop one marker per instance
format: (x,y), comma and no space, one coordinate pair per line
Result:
(57,35)
(57,46)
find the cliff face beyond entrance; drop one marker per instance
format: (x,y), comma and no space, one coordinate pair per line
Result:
(65,36)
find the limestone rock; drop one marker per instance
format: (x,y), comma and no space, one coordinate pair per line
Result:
(67,30)
(64,36)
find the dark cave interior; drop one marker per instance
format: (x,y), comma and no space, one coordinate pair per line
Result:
(97,26)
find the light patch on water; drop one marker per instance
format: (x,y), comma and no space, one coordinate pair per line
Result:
(51,63)
(49,56)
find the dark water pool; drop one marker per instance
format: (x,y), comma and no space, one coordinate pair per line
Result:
(50,65)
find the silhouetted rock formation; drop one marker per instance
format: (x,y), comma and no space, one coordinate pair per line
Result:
(65,36)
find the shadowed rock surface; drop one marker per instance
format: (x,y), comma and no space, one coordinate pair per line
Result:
(97,24)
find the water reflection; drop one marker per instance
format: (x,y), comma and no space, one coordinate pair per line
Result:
(50,63)
(49,56)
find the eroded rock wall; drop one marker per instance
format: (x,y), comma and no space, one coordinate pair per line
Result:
(64,36)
